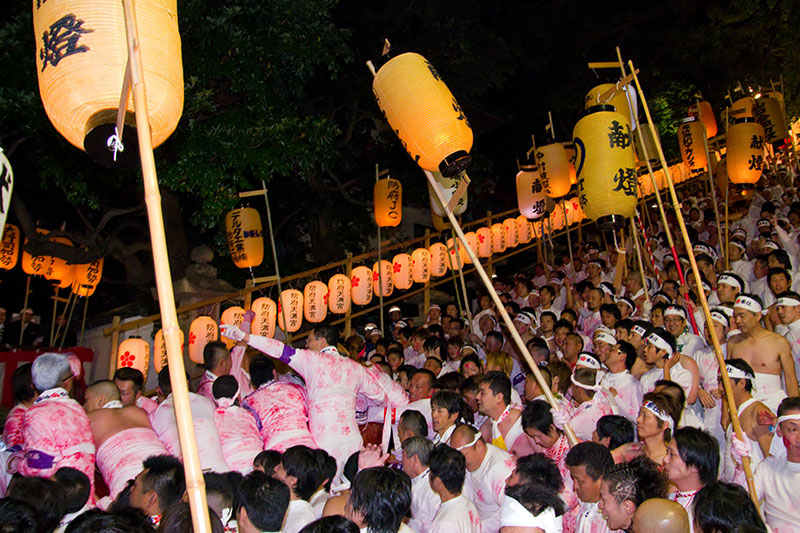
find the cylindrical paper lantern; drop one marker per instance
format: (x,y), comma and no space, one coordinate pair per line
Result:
(530,192)
(510,227)
(571,158)
(160,350)
(87,277)
(361,284)
(472,240)
(424,114)
(388,201)
(232,316)
(703,111)
(245,237)
(339,294)
(384,280)
(57,268)
(439,259)
(266,311)
(290,306)
(690,138)
(524,230)
(741,108)
(619,100)
(449,186)
(202,330)
(421,265)
(768,113)
(134,353)
(745,154)
(315,301)
(606,171)
(81,53)
(484,236)
(401,272)
(498,238)
(553,169)
(455,261)
(9,248)
(557,219)
(35,265)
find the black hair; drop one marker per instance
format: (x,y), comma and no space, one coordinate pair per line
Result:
(267,461)
(625,323)
(537,468)
(538,346)
(410,370)
(788,294)
(327,467)
(438,361)
(536,415)
(326,331)
(742,365)
(550,314)
(646,326)
(629,351)
(561,323)
(774,271)
(449,382)
(127,373)
(431,376)
(782,257)
(618,429)
(669,405)
(699,449)
(164,382)
(221,486)
(595,457)
(225,387)
(350,468)
(452,401)
(119,521)
(433,343)
(672,389)
(549,289)
(76,485)
(637,481)
(178,519)
(613,310)
(471,384)
(213,353)
(383,496)
(44,494)
(262,370)
(513,306)
(300,463)
(449,466)
(792,403)
(498,383)
(22,383)
(536,498)
(331,524)
(495,335)
(469,358)
(18,516)
(569,312)
(575,335)
(721,507)
(265,499)
(414,422)
(667,336)
(164,474)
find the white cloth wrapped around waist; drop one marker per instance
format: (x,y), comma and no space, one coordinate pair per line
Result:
(120,458)
(768,389)
(287,438)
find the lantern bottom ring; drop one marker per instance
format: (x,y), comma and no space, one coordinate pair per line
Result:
(100,128)
(611,222)
(455,163)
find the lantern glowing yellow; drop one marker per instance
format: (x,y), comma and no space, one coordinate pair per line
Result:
(232,316)
(424,114)
(524,230)
(619,100)
(134,352)
(553,169)
(401,272)
(455,261)
(557,219)
(571,158)
(449,186)
(530,192)
(339,294)
(58,269)
(35,265)
(439,259)
(745,155)
(691,134)
(606,170)
(9,248)
(388,201)
(81,55)
(741,108)
(421,265)
(361,285)
(87,277)
(202,330)
(484,236)
(245,237)
(498,238)
(472,241)
(290,306)
(382,283)
(160,350)
(768,113)
(266,311)
(703,111)
(512,237)
(315,301)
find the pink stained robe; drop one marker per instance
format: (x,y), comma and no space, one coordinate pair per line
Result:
(584,418)
(333,383)
(241,441)
(57,427)
(121,456)
(281,415)
(242,377)
(148,404)
(206,384)
(12,430)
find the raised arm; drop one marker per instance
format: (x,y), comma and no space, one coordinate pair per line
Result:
(301,361)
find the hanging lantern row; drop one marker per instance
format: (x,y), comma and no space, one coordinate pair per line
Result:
(679,172)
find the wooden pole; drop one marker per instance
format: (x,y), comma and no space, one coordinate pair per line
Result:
(500,307)
(69,321)
(635,235)
(195,485)
(713,188)
(569,239)
(380,282)
(112,361)
(348,316)
(426,297)
(53,323)
(450,253)
(696,271)
(54,340)
(24,306)
(83,321)
(727,227)
(275,261)
(489,260)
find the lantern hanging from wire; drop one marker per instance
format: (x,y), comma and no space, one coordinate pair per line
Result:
(472,241)
(245,237)
(9,247)
(553,168)
(421,265)
(619,100)
(531,198)
(455,260)
(439,259)
(484,236)
(741,108)
(339,296)
(361,285)
(401,271)
(512,237)
(35,265)
(134,352)
(388,202)
(290,309)
(202,330)
(703,111)
(745,154)
(569,148)
(315,301)
(232,316)
(160,350)
(266,311)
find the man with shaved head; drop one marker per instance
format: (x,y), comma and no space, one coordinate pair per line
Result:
(122,435)
(662,515)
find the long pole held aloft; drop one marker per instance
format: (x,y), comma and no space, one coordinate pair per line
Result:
(275,260)
(573,440)
(696,271)
(195,485)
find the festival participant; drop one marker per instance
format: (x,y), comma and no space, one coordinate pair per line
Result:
(664,516)
(279,408)
(590,314)
(414,354)
(590,403)
(238,432)
(504,427)
(532,508)
(723,506)
(613,431)
(130,382)
(767,353)
(55,429)
(532,389)
(122,436)
(488,468)
(658,418)
(573,346)
(300,471)
(333,383)
(619,381)
(379,499)
(788,309)
(76,489)
(625,487)
(675,322)
(160,485)
(216,362)
(739,264)
(669,364)
(424,500)
(638,339)
(448,471)
(262,505)
(165,425)
(587,462)
(448,408)
(634,291)
(708,366)
(24,396)
(729,286)
(602,342)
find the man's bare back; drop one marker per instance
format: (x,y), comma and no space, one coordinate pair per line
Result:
(106,423)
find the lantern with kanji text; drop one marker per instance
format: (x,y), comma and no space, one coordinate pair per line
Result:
(388,201)
(553,167)
(134,352)
(87,277)
(448,186)
(439,259)
(512,237)
(531,198)
(9,247)
(290,310)
(484,236)
(382,279)
(339,294)
(455,259)
(245,237)
(524,229)
(361,285)
(160,350)
(745,151)
(266,311)
(315,301)
(498,238)
(401,272)
(421,265)
(691,137)
(232,316)
(767,112)
(202,330)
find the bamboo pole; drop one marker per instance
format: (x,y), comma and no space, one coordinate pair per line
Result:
(573,440)
(426,298)
(380,283)
(635,235)
(348,316)
(53,323)
(114,345)
(24,306)
(195,485)
(450,253)
(54,340)
(275,260)
(463,283)
(569,239)
(696,271)
(69,321)
(83,321)
(712,186)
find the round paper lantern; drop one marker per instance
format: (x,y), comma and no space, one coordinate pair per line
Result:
(524,230)
(424,114)
(339,294)
(703,111)
(245,237)
(455,261)
(691,140)
(530,192)
(439,259)
(606,171)
(484,236)
(202,330)
(741,108)
(361,285)
(498,238)
(553,169)
(382,280)
(232,316)
(645,185)
(649,144)
(388,198)
(9,248)
(87,277)
(571,158)
(81,53)
(449,186)
(315,301)
(290,306)
(35,265)
(134,352)
(768,113)
(557,219)
(57,269)
(401,272)
(421,265)
(472,241)
(619,100)
(266,311)
(510,227)
(160,350)
(745,154)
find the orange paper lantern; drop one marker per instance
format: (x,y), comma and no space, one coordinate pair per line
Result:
(383,279)
(361,285)
(524,230)
(388,201)
(9,248)
(421,265)
(160,350)
(134,353)
(439,259)
(741,108)
(691,134)
(266,311)
(87,277)
(472,241)
(498,238)
(702,110)
(401,272)
(290,309)
(571,158)
(245,237)
(512,237)
(57,269)
(619,100)
(484,236)
(553,169)
(339,294)
(315,301)
(202,330)
(35,265)
(531,198)
(745,155)
(455,261)
(232,316)
(769,114)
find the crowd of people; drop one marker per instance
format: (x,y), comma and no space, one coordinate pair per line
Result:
(443,426)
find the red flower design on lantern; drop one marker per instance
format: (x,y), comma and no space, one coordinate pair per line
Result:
(397,267)
(481,238)
(192,338)
(354,282)
(127,359)
(325,298)
(376,276)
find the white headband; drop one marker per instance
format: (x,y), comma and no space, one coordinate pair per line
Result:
(473,443)
(639,330)
(784,418)
(739,245)
(788,301)
(736,373)
(605,337)
(661,415)
(659,343)
(588,361)
(745,302)
(733,332)
(771,245)
(727,279)
(606,289)
(596,387)
(673,310)
(719,317)
(627,301)
(522,317)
